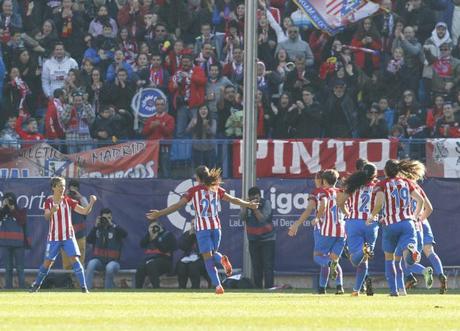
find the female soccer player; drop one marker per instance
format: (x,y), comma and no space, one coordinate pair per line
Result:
(205,197)
(356,202)
(61,234)
(331,239)
(313,204)
(398,225)
(425,232)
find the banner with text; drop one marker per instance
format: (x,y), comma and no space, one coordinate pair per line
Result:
(303,158)
(135,159)
(129,199)
(443,158)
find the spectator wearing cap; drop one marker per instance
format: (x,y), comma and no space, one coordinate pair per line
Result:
(188,86)
(340,115)
(446,70)
(448,126)
(296,47)
(56,69)
(77,117)
(373,124)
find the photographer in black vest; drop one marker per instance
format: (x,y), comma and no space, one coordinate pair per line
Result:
(158,244)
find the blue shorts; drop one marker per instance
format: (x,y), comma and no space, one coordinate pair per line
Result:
(69,246)
(400,249)
(208,240)
(428,238)
(359,233)
(316,236)
(398,234)
(328,245)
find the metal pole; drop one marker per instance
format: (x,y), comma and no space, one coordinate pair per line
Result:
(249,143)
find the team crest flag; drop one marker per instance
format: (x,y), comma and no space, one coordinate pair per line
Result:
(332,16)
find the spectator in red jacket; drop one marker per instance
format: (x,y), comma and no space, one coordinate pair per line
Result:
(53,125)
(367,36)
(448,126)
(188,86)
(31,130)
(161,126)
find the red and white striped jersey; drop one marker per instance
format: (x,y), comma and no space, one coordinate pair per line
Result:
(332,223)
(397,196)
(361,202)
(206,204)
(418,223)
(60,227)
(316,196)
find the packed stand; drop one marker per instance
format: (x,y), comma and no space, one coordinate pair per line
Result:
(72,68)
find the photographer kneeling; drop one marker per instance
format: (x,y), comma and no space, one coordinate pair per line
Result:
(13,238)
(158,245)
(107,240)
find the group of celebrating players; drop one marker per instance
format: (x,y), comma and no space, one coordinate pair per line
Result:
(349,217)
(346,217)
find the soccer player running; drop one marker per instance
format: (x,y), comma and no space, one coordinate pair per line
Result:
(206,197)
(425,239)
(61,234)
(357,202)
(398,220)
(331,239)
(312,207)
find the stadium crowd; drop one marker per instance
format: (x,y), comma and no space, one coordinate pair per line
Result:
(71,69)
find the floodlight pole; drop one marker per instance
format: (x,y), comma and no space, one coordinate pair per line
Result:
(249,143)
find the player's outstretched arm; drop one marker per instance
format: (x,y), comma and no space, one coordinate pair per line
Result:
(294,227)
(86,210)
(154,214)
(240,202)
(377,207)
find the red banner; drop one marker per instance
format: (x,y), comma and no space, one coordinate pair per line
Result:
(134,159)
(303,158)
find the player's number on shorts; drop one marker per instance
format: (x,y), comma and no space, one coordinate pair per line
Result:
(364,207)
(401,194)
(205,206)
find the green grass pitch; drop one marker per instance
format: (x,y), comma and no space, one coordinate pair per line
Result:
(187,310)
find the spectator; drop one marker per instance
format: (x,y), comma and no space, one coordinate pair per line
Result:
(131,16)
(413,54)
(234,69)
(31,131)
(78,223)
(452,19)
(206,57)
(215,40)
(157,76)
(158,245)
(296,47)
(127,44)
(173,58)
(214,88)
(203,126)
(54,128)
(105,45)
(298,79)
(227,104)
(435,113)
(16,94)
(107,240)
(420,17)
(13,239)
(233,40)
(95,89)
(161,41)
(281,64)
(43,41)
(305,120)
(340,115)
(97,24)
(120,92)
(261,236)
(367,36)
(56,69)
(9,20)
(278,117)
(266,42)
(188,86)
(396,75)
(191,265)
(118,63)
(73,83)
(103,127)
(234,124)
(373,126)
(8,135)
(29,72)
(77,117)
(388,112)
(448,126)
(147,31)
(160,126)
(446,71)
